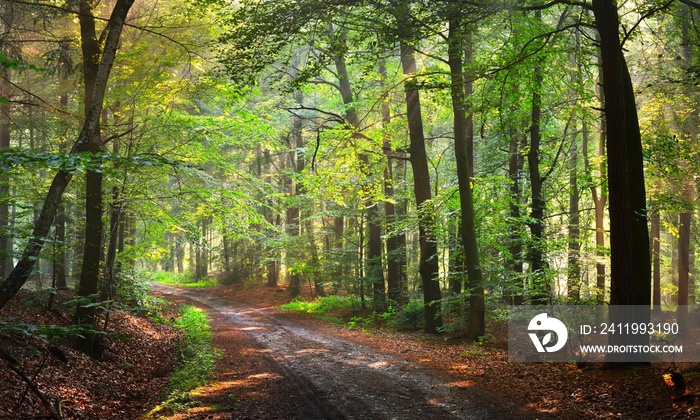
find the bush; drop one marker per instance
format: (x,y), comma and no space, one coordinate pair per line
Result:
(454,310)
(412,315)
(133,291)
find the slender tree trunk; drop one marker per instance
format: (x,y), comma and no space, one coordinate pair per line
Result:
(428,265)
(6,262)
(7,13)
(272,262)
(192,258)
(225,241)
(293,226)
(115,213)
(456,266)
(205,248)
(674,262)
(179,250)
(656,257)
(574,230)
(463,130)
(600,202)
(541,289)
(60,222)
(684,233)
(395,253)
(21,272)
(600,197)
(516,162)
(686,289)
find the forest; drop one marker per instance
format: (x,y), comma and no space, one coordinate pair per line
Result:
(424,165)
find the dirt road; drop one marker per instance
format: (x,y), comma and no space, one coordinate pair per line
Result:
(322,376)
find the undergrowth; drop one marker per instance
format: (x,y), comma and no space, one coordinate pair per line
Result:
(181,279)
(322,305)
(197,359)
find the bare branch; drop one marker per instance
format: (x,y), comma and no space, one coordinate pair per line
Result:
(644,16)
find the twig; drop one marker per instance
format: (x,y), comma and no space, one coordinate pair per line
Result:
(14,365)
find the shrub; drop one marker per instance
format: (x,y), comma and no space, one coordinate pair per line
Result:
(412,315)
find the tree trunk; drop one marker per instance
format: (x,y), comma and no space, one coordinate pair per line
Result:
(674,262)
(395,253)
(463,130)
(298,163)
(60,222)
(21,272)
(115,212)
(684,233)
(686,289)
(574,230)
(272,258)
(456,266)
(629,236)
(90,269)
(6,262)
(205,249)
(600,199)
(656,257)
(541,289)
(226,243)
(428,265)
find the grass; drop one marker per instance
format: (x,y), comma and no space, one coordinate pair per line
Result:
(197,359)
(323,305)
(181,279)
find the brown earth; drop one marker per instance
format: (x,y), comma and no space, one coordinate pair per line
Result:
(127,381)
(292,366)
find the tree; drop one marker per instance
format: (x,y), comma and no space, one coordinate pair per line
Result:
(629,236)
(92,251)
(428,265)
(11,285)
(463,129)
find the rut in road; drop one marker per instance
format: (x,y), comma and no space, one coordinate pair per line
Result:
(337,378)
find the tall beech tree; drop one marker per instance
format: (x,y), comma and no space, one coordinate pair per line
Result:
(428,263)
(463,129)
(629,235)
(630,264)
(92,250)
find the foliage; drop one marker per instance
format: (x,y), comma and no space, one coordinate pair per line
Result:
(453,310)
(45,333)
(134,292)
(411,315)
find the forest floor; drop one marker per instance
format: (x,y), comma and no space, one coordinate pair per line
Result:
(293,366)
(126,382)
